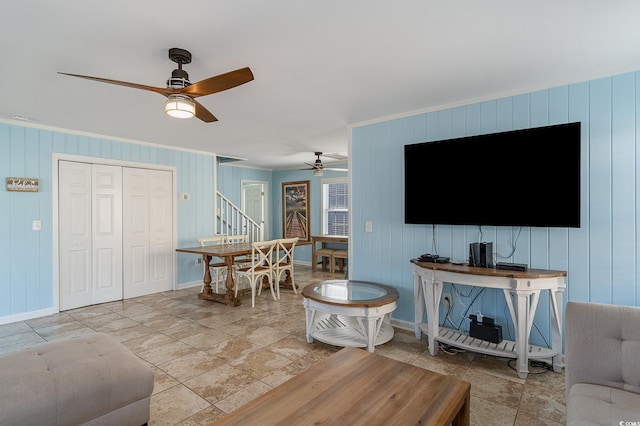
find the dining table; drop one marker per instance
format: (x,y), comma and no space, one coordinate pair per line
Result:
(228,253)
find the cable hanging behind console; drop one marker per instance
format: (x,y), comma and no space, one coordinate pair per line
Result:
(514,243)
(434,240)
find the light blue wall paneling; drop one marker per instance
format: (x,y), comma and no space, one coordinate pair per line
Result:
(601,257)
(26,256)
(623,179)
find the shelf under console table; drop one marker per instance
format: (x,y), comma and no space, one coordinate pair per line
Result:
(522,293)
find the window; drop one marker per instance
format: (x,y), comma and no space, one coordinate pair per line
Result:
(335,206)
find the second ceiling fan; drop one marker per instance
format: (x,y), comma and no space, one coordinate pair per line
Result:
(318,167)
(180,92)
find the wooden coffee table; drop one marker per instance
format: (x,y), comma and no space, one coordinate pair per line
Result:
(349,312)
(354,387)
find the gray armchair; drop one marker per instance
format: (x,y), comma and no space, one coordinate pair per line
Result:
(602,364)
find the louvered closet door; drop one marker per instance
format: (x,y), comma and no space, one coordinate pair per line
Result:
(90,233)
(148,236)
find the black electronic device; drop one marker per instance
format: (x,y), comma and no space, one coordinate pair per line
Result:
(481,255)
(427,257)
(511,266)
(441,259)
(484,328)
(486,255)
(528,168)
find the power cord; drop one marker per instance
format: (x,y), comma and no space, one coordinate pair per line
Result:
(514,243)
(434,239)
(464,315)
(449,350)
(539,367)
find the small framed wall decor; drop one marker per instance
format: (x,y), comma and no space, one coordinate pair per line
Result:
(295,210)
(19,184)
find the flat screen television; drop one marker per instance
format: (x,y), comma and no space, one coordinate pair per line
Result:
(527,177)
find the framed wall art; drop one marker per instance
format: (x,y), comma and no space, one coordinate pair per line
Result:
(295,210)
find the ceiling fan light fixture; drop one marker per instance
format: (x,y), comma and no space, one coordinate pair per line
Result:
(317,172)
(180,106)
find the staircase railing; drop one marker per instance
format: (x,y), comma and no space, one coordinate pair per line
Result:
(231,220)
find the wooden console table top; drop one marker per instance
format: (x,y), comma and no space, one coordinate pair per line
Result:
(355,387)
(474,270)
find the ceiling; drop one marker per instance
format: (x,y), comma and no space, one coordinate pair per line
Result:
(319,66)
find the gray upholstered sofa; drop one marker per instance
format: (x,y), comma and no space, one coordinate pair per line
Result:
(91,380)
(602,364)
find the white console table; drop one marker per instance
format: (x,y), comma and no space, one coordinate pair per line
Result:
(522,293)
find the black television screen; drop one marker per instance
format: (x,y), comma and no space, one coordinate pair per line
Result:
(527,177)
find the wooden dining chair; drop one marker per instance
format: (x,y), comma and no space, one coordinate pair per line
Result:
(262,265)
(340,256)
(218,269)
(284,261)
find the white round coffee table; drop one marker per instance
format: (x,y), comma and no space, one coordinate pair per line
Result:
(349,313)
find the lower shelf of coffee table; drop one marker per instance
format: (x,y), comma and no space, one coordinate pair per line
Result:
(342,330)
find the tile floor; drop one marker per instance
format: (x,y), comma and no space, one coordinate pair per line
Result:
(210,359)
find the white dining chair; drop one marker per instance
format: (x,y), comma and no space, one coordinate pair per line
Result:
(241,238)
(218,269)
(262,265)
(240,261)
(284,261)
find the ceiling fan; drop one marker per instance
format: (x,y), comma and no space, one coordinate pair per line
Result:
(180,92)
(318,167)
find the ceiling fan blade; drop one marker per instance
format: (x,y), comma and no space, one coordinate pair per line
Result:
(161,90)
(218,83)
(313,166)
(332,169)
(203,114)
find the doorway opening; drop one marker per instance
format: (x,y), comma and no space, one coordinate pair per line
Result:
(254,202)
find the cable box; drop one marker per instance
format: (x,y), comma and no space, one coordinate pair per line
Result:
(521,267)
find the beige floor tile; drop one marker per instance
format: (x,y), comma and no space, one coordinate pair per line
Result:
(527,419)
(265,335)
(489,413)
(203,417)
(174,405)
(205,339)
(167,352)
(19,341)
(61,331)
(161,380)
(547,403)
(109,322)
(190,366)
(438,365)
(495,389)
(260,362)
(496,366)
(48,321)
(291,347)
(131,333)
(147,342)
(14,328)
(243,396)
(219,383)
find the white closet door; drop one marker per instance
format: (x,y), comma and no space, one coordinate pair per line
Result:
(161,230)
(90,229)
(107,233)
(75,230)
(148,210)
